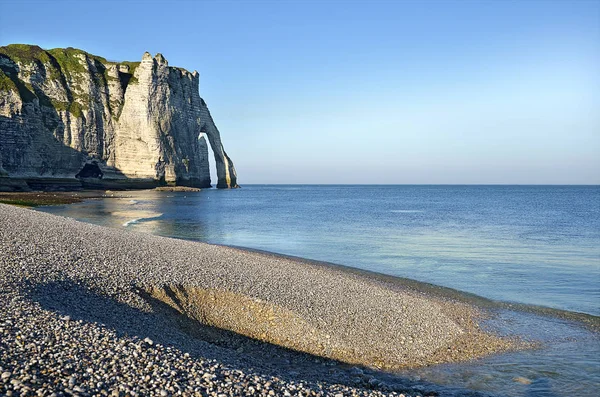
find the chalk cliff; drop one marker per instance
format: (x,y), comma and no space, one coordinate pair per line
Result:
(70,119)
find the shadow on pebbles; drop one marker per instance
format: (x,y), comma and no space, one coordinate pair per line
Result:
(88,310)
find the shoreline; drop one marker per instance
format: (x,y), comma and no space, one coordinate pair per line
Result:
(39,198)
(45,198)
(589,321)
(223,298)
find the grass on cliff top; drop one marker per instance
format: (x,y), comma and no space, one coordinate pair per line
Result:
(24,53)
(64,61)
(67,58)
(61,64)
(65,66)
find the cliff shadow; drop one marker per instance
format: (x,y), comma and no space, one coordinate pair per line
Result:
(168,327)
(33,152)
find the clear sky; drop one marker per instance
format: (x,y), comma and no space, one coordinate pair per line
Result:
(367,92)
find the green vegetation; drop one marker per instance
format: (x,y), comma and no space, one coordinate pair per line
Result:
(6,83)
(65,60)
(34,199)
(72,65)
(74,108)
(9,81)
(62,64)
(68,61)
(66,66)
(132,66)
(25,53)
(19,203)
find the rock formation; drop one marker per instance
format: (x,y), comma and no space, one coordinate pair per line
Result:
(69,119)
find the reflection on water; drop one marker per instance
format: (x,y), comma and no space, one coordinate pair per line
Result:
(134,216)
(527,244)
(536,245)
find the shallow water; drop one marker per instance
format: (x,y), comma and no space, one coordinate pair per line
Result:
(536,245)
(566,364)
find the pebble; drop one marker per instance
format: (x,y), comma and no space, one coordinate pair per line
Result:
(125,344)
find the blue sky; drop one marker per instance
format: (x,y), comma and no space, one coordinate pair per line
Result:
(367,92)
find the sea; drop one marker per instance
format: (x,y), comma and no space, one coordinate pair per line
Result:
(526,247)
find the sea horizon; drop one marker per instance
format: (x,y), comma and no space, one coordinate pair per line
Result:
(425,184)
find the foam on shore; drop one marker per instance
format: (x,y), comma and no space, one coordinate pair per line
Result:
(135,216)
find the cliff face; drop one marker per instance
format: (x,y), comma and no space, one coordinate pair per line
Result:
(72,119)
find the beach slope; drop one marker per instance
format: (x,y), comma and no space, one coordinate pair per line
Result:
(101,309)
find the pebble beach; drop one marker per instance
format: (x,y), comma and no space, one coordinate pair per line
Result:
(90,310)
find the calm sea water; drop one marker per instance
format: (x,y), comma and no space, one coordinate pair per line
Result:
(536,245)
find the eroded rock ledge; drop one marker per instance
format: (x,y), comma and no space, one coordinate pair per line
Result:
(70,119)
